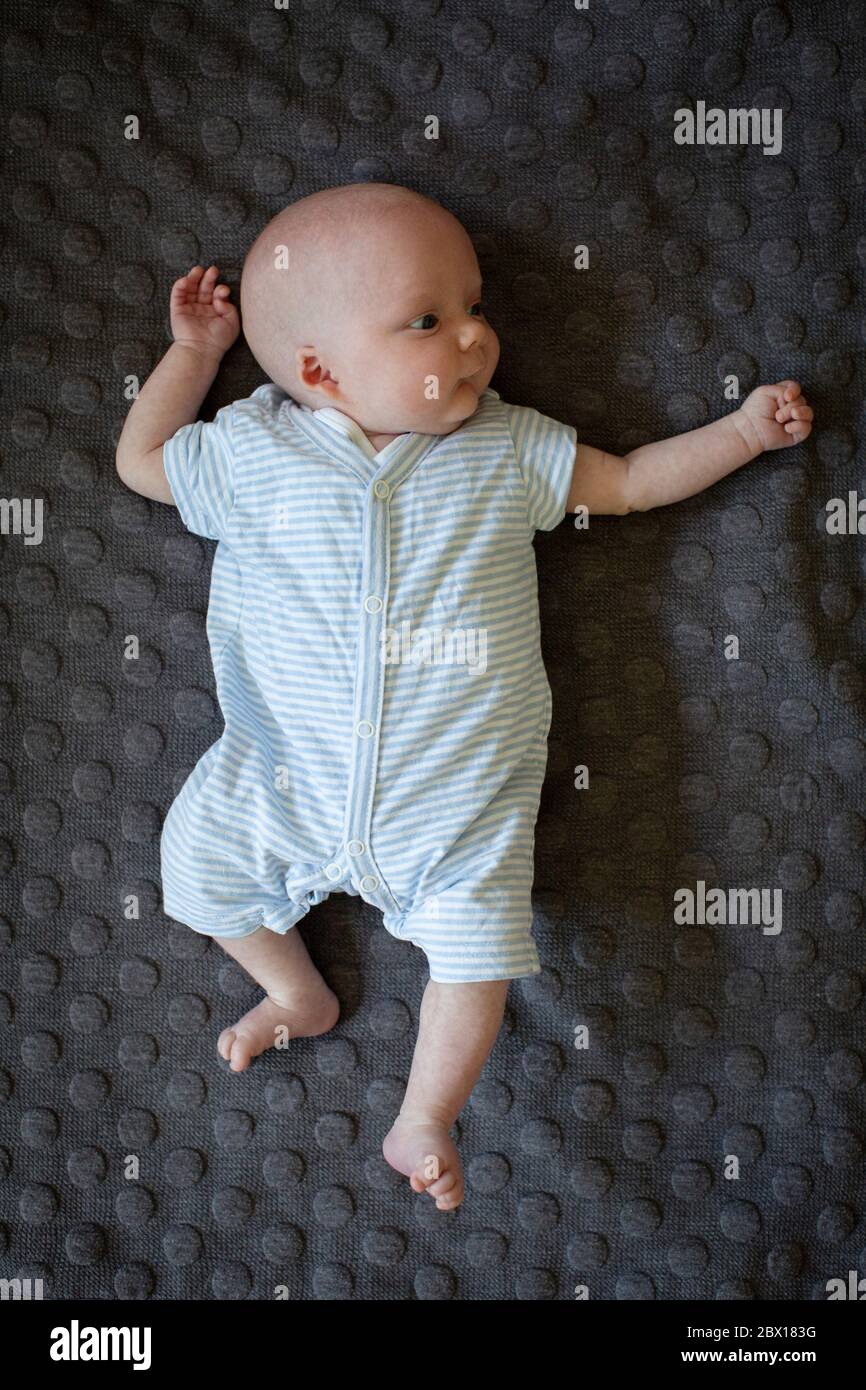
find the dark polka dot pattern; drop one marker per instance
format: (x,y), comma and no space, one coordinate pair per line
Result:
(673,1109)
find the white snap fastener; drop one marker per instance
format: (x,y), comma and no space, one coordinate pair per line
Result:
(372,604)
(382,489)
(364,729)
(369,882)
(334,871)
(355,846)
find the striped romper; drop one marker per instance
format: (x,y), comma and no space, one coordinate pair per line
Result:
(374,630)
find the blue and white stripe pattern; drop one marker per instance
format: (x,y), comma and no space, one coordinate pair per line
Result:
(375,638)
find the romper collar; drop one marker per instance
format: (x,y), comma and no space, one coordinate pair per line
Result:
(342,438)
(343,425)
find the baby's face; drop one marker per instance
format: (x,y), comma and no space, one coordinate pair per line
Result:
(405,345)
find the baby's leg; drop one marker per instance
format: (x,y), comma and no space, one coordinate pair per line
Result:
(459,1025)
(298,1003)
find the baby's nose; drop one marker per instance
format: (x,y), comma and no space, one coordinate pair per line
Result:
(474,333)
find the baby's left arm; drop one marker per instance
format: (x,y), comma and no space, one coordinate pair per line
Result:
(654,475)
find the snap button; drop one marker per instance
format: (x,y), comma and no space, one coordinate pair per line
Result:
(372,603)
(334,871)
(355,846)
(382,489)
(364,729)
(369,882)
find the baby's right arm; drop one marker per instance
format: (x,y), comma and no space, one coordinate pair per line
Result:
(204,324)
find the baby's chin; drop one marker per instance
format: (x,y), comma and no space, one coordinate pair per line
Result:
(462,405)
(459,406)
(468,393)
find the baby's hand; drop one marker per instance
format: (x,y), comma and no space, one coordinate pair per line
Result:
(778,415)
(202,316)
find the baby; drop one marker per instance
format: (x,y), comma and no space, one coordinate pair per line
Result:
(375,505)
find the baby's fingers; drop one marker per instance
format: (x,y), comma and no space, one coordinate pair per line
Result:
(798,410)
(186,284)
(221,298)
(787,391)
(206,284)
(799,429)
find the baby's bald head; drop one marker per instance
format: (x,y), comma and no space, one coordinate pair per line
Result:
(306,272)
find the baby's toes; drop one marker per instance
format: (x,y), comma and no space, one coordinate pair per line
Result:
(450,1201)
(236,1049)
(448,1191)
(443,1184)
(242,1054)
(435,1187)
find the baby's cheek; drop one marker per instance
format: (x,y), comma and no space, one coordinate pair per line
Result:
(419,388)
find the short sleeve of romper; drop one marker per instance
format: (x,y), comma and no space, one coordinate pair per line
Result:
(545,451)
(198,463)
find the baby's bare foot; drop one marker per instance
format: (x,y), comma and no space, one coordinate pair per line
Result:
(422,1148)
(301,1014)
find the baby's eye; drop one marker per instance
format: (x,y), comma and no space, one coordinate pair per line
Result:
(477,308)
(421,318)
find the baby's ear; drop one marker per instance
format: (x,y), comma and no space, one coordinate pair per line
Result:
(312,372)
